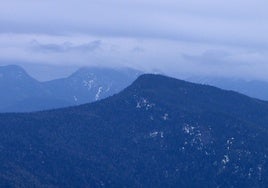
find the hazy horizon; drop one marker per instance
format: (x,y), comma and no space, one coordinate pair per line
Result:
(175,37)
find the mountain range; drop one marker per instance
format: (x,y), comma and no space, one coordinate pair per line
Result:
(158,132)
(22,93)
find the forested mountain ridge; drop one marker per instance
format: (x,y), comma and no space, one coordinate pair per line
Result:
(158,132)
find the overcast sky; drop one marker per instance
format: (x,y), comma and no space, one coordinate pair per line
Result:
(204,37)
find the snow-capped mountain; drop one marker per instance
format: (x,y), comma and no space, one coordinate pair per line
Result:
(22,93)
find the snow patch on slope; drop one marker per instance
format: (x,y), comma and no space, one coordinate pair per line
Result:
(144,103)
(97,96)
(88,84)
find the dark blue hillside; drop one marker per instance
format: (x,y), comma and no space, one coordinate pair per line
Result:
(159,132)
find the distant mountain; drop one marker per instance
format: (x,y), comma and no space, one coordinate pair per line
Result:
(255,88)
(91,84)
(22,93)
(159,132)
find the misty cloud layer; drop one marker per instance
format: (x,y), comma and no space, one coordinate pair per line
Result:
(227,38)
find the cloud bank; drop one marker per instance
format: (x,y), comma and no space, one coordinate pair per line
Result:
(207,37)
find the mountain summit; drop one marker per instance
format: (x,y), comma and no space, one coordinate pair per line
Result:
(158,132)
(17,86)
(90,84)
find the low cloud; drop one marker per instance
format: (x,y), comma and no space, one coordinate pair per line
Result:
(212,57)
(138,49)
(65,47)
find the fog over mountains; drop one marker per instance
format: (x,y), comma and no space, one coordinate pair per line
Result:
(133,94)
(158,132)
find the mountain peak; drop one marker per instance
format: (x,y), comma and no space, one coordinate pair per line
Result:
(154,81)
(14,72)
(154,77)
(11,68)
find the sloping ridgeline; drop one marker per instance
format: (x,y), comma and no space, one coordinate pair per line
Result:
(159,132)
